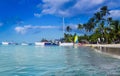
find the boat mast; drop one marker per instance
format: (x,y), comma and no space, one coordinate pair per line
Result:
(63,26)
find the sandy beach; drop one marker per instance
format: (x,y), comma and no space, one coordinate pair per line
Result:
(104,45)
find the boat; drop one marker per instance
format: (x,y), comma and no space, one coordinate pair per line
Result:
(65,44)
(50,44)
(5,43)
(39,43)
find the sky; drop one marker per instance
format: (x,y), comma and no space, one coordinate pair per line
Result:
(33,20)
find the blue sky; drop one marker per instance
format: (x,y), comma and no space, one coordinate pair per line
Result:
(32,20)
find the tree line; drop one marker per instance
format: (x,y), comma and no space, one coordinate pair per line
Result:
(103,27)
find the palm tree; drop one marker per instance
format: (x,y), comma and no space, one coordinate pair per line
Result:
(103,26)
(104,11)
(68,29)
(101,20)
(109,20)
(90,25)
(80,26)
(97,17)
(115,29)
(68,37)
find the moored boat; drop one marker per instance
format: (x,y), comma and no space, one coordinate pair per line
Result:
(39,43)
(50,44)
(5,43)
(65,44)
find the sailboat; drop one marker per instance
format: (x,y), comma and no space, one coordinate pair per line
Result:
(64,43)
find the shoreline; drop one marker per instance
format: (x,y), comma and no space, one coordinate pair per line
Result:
(112,50)
(104,45)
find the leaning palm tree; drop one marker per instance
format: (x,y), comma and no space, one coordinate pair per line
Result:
(100,20)
(90,25)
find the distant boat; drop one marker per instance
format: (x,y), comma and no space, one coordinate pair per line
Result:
(13,43)
(5,43)
(30,44)
(50,44)
(65,44)
(39,43)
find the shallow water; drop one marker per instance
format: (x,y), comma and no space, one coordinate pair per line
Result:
(55,61)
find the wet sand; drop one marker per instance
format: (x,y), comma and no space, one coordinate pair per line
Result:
(104,45)
(108,49)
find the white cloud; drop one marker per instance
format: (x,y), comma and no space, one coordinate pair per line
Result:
(53,6)
(37,15)
(113,4)
(80,7)
(23,29)
(69,8)
(26,28)
(115,13)
(46,27)
(61,7)
(1,24)
(85,4)
(30,28)
(94,2)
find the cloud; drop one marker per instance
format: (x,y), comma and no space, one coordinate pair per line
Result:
(81,4)
(115,14)
(68,8)
(20,30)
(24,29)
(37,15)
(1,24)
(53,6)
(71,8)
(45,27)
(113,4)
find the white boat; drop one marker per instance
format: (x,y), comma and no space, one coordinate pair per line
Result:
(65,44)
(39,43)
(24,44)
(5,43)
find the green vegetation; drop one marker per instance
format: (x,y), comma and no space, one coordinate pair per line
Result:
(104,29)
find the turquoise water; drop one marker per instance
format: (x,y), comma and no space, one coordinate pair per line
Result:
(55,61)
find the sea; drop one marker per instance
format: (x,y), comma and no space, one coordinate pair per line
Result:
(17,60)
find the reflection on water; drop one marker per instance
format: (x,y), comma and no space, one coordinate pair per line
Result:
(55,61)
